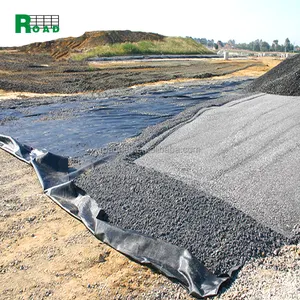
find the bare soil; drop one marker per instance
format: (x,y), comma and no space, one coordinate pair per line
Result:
(40,73)
(46,252)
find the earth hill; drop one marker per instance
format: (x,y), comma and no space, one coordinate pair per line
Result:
(111,43)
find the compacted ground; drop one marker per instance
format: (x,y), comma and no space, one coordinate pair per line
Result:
(40,73)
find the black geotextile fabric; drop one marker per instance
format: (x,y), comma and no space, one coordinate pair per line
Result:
(284,79)
(175,262)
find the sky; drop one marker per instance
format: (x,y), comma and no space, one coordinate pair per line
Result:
(241,20)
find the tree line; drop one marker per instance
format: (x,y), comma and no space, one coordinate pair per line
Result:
(257,45)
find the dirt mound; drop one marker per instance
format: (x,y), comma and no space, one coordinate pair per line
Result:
(63,47)
(282,80)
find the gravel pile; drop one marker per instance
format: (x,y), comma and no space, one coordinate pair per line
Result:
(284,79)
(154,204)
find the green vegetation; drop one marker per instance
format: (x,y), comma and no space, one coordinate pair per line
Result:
(263,46)
(257,45)
(170,45)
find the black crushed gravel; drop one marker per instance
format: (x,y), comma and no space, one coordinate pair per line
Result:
(154,204)
(284,79)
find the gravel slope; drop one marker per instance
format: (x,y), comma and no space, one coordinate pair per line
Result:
(246,153)
(281,80)
(158,205)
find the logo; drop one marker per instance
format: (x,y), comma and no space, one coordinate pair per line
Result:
(37,23)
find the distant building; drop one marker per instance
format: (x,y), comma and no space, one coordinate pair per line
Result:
(228,46)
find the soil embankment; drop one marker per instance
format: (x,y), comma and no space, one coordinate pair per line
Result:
(62,48)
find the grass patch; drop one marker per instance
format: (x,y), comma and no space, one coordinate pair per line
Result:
(170,45)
